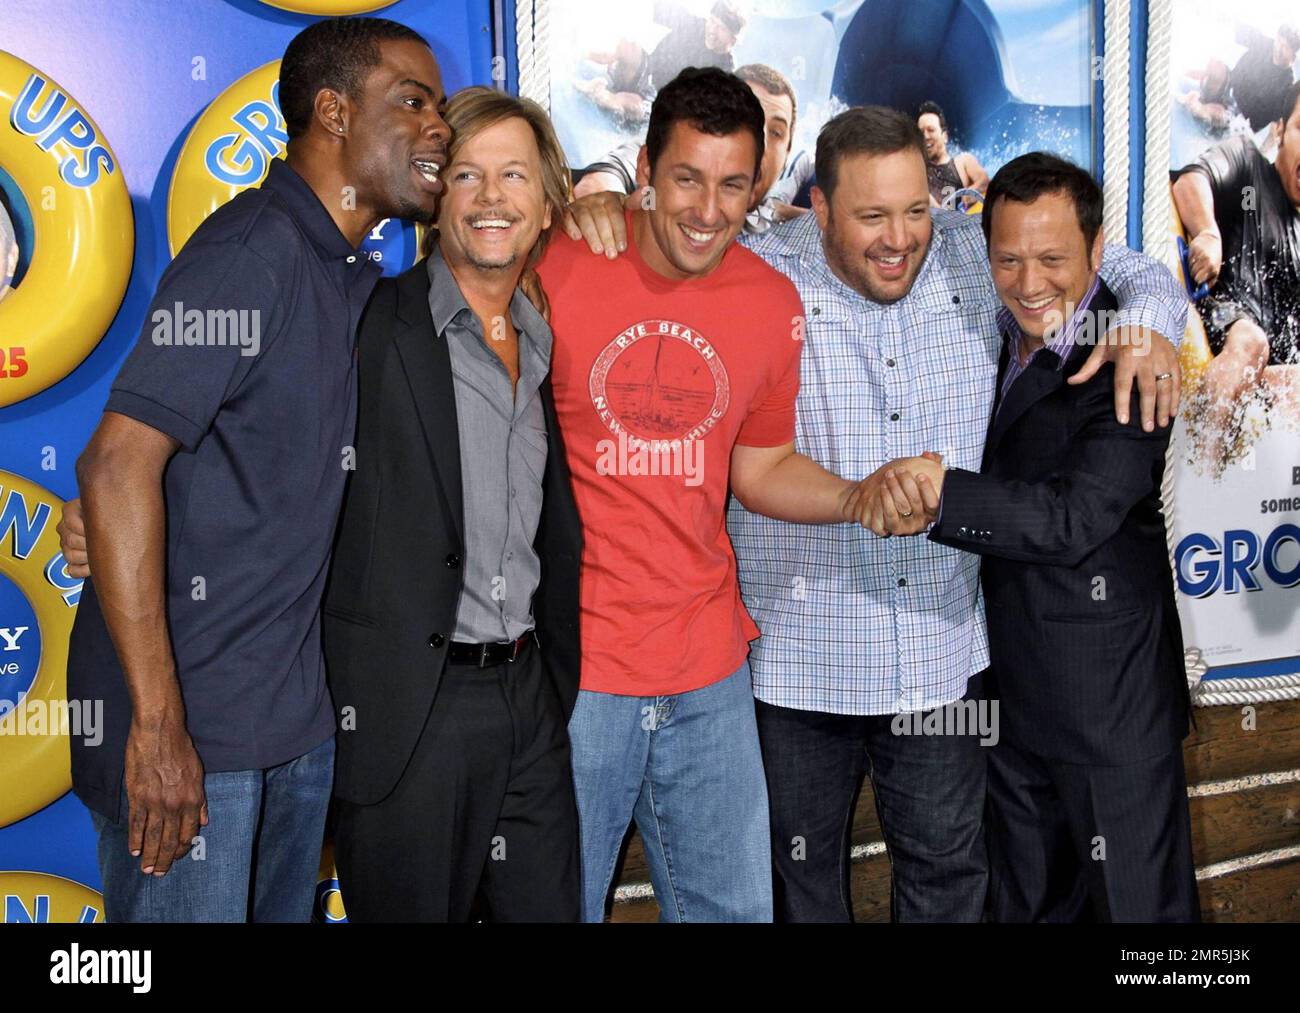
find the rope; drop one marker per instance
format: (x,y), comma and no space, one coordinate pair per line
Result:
(1115,95)
(532,40)
(1157,211)
(542,52)
(524,47)
(1215,692)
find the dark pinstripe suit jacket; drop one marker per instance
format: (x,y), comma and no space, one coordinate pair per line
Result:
(1087,652)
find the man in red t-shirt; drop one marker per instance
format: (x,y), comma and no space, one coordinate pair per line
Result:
(675,370)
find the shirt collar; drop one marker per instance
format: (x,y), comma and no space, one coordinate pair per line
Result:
(307,208)
(446,302)
(1063,343)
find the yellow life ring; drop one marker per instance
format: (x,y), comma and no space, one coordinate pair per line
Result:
(72,183)
(45,898)
(331,7)
(228,150)
(35,764)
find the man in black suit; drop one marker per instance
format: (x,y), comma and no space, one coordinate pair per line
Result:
(450,622)
(1087,807)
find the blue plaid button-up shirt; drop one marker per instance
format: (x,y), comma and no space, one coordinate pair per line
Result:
(852,623)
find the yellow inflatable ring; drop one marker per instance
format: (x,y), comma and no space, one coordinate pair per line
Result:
(47,899)
(84,232)
(35,765)
(331,7)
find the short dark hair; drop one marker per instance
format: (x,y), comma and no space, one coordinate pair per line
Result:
(1289,101)
(336,53)
(710,100)
(1030,176)
(869,130)
(933,108)
(774,81)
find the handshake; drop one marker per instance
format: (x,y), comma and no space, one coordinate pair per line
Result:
(899,498)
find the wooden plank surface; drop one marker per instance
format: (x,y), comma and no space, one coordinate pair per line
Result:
(1220,748)
(1245,822)
(1263,893)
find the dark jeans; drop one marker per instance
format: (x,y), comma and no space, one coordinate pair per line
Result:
(929,795)
(258,860)
(483,820)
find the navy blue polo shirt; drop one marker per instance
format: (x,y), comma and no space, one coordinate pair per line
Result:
(247,357)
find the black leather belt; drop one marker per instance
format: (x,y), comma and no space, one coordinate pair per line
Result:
(487,655)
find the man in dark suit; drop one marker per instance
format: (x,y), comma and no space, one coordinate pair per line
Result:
(1087,807)
(450,622)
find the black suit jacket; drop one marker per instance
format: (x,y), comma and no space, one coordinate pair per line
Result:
(390,605)
(1087,651)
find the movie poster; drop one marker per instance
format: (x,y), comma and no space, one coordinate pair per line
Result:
(1004,77)
(1235,186)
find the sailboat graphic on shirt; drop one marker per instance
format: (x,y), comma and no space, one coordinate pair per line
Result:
(660,380)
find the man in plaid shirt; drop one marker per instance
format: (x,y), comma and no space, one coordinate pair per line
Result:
(900,359)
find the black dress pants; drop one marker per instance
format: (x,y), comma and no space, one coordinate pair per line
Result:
(483,819)
(1077,842)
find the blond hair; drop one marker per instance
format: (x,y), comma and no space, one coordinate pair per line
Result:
(473,110)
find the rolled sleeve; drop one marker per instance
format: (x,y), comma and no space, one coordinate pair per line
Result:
(1148,294)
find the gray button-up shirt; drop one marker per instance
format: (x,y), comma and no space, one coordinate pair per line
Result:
(502,458)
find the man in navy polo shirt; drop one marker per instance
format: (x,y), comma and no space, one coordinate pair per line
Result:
(211,489)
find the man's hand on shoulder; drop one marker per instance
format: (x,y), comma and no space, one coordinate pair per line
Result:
(598,219)
(1150,358)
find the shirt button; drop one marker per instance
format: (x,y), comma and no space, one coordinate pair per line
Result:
(956,299)
(902,582)
(352,259)
(436,640)
(889,362)
(893,417)
(817,311)
(453,561)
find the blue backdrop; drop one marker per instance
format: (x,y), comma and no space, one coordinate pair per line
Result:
(130,65)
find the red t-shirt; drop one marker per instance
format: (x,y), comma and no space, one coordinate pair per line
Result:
(655,381)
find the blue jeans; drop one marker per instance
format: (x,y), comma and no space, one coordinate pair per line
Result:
(265,829)
(688,769)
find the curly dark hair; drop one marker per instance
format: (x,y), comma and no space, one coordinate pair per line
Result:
(336,53)
(710,100)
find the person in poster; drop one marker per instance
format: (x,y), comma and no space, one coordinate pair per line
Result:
(1241,214)
(635,74)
